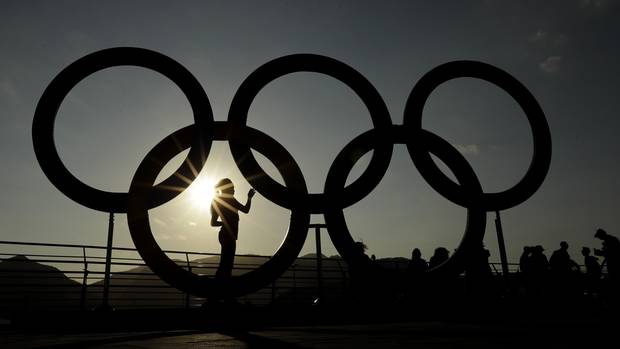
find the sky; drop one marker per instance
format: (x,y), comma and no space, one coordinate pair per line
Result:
(565,52)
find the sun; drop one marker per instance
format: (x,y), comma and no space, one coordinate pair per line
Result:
(201,192)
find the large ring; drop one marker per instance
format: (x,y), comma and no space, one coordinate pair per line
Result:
(541,159)
(202,285)
(341,167)
(246,161)
(63,83)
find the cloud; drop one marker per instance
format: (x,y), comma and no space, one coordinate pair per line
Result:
(551,64)
(468,149)
(597,4)
(193,224)
(159,222)
(539,36)
(548,40)
(8,89)
(560,40)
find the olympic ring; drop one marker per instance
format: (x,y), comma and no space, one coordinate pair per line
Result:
(143,194)
(168,270)
(541,159)
(63,83)
(276,68)
(346,159)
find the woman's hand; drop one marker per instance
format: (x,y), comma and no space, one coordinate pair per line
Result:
(251,193)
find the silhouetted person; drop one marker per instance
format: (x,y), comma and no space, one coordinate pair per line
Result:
(417,265)
(593,268)
(441,255)
(441,287)
(560,262)
(524,266)
(563,271)
(539,264)
(538,269)
(373,258)
(593,272)
(361,248)
(226,208)
(478,274)
(479,264)
(415,280)
(611,252)
(371,284)
(363,262)
(361,274)
(524,260)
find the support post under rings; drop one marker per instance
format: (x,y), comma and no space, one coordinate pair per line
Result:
(105,305)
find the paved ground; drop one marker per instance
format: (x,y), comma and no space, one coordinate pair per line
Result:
(397,335)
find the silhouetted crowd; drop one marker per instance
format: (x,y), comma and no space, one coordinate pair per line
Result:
(539,279)
(561,277)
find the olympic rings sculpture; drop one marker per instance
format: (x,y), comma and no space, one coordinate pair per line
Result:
(144,194)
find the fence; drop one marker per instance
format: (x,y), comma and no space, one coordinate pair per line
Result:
(70,276)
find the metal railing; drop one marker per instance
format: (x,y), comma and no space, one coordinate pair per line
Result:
(72,276)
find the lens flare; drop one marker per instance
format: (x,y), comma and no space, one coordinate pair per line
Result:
(201,192)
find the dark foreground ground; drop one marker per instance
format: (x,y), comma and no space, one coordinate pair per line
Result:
(383,335)
(316,327)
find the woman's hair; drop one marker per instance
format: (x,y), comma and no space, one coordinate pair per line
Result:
(223,185)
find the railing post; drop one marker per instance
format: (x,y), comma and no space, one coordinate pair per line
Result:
(344,276)
(294,267)
(319,260)
(500,243)
(108,262)
(189,268)
(84,281)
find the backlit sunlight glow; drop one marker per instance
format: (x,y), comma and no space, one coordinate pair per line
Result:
(193,212)
(201,192)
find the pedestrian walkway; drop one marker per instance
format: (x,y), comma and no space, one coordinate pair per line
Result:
(395,335)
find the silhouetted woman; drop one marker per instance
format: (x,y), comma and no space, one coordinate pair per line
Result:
(226,207)
(417,265)
(593,272)
(539,271)
(414,282)
(441,255)
(441,287)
